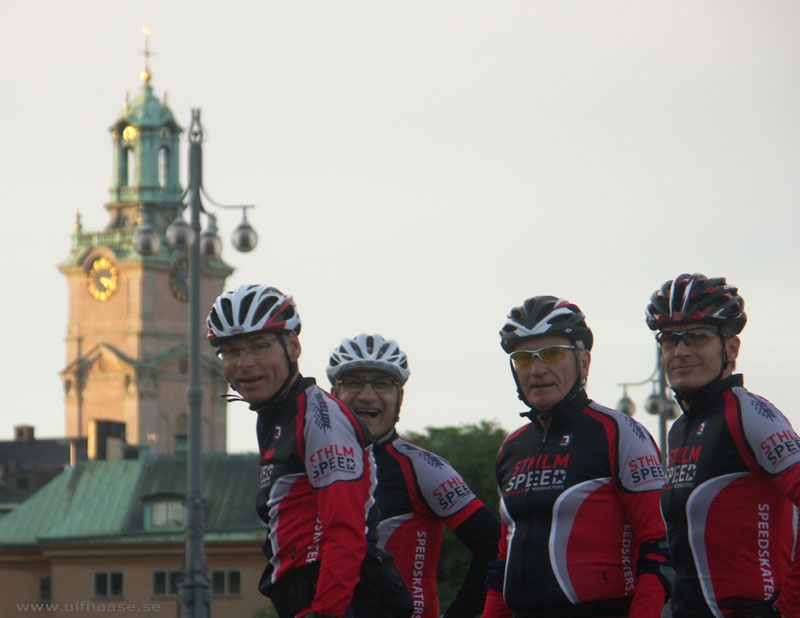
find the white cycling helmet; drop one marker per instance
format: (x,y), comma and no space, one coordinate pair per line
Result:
(251,309)
(368,353)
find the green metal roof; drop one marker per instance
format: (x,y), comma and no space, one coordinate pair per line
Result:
(105,501)
(146,111)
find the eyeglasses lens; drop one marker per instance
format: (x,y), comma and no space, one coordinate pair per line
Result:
(256,350)
(523,359)
(692,338)
(352,385)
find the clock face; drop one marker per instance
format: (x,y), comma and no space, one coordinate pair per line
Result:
(102,279)
(179,279)
(129,133)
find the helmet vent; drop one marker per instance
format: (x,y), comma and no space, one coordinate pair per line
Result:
(263,308)
(215,320)
(244,306)
(227,310)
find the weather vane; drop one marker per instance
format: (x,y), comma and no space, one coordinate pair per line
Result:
(146,74)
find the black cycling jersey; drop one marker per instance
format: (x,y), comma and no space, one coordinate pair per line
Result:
(583,532)
(418,494)
(730,487)
(317,498)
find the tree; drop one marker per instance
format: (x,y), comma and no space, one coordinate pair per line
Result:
(472,451)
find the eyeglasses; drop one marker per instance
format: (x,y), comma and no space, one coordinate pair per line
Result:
(356,385)
(256,350)
(695,337)
(549,355)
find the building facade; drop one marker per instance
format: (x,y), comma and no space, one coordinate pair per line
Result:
(126,352)
(110,533)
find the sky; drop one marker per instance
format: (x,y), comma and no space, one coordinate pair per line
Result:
(419,168)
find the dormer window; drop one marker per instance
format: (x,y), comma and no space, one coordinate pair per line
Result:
(166,513)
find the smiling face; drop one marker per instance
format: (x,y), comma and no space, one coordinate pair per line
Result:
(374,396)
(257,372)
(689,367)
(545,385)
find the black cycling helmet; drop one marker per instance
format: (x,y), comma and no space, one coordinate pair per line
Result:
(696,298)
(546,315)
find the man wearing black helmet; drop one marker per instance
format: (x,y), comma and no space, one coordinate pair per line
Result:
(733,476)
(317,482)
(579,486)
(418,492)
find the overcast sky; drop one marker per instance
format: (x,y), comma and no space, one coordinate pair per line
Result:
(418,168)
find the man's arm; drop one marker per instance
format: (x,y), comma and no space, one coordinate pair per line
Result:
(495,606)
(639,482)
(480,533)
(342,473)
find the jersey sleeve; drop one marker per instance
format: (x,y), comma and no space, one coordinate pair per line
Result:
(639,462)
(766,440)
(495,606)
(766,433)
(640,478)
(342,472)
(443,489)
(480,533)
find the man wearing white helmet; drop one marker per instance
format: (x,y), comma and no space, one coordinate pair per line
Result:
(418,492)
(317,469)
(579,486)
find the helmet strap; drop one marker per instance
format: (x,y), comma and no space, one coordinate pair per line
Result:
(397,405)
(293,372)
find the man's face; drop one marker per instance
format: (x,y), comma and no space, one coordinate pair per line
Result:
(691,365)
(374,396)
(545,385)
(256,365)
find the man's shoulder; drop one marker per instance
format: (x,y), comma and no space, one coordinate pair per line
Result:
(626,425)
(418,454)
(520,433)
(752,404)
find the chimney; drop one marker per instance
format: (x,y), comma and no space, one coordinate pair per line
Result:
(23,433)
(99,433)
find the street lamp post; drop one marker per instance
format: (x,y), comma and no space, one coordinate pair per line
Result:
(194,595)
(657,403)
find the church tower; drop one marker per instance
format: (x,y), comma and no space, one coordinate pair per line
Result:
(126,342)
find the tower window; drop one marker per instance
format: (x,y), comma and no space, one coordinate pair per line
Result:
(163,166)
(128,165)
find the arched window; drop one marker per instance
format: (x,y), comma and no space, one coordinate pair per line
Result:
(129,166)
(163,166)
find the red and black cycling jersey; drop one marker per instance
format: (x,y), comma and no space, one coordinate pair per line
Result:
(418,494)
(316,493)
(583,534)
(729,495)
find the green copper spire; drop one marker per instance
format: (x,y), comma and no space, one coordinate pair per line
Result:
(145,137)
